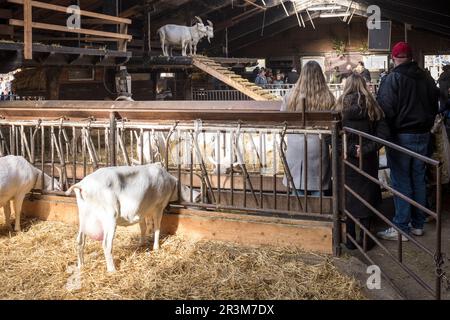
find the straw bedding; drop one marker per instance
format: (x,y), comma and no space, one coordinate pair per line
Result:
(39,263)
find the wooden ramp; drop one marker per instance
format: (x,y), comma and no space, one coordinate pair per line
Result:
(232,79)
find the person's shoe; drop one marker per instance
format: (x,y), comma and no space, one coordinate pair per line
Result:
(417,232)
(390,234)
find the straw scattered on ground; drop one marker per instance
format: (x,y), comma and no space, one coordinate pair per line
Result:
(39,263)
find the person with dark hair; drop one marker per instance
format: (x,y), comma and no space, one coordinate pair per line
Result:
(360,111)
(361,69)
(444,88)
(292,76)
(255,73)
(261,79)
(409,98)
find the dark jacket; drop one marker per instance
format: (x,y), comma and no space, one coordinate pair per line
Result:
(355,116)
(292,77)
(366,75)
(409,98)
(444,86)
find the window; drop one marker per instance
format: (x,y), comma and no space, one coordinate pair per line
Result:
(167,75)
(376,62)
(434,64)
(319,59)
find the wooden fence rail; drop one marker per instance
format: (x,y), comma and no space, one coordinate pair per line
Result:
(27,23)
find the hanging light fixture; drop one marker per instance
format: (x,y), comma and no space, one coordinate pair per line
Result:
(324,8)
(336,14)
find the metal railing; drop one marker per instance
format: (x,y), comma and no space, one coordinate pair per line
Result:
(279,90)
(15,97)
(236,166)
(338,89)
(224,95)
(435,253)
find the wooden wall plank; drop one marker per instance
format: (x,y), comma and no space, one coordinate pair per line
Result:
(27,31)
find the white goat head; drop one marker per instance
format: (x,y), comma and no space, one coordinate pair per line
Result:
(210,30)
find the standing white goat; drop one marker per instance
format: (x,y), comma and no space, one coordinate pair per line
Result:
(17,178)
(123,196)
(199,36)
(181,36)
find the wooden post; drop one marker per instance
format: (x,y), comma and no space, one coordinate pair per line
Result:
(123,43)
(112,139)
(27,31)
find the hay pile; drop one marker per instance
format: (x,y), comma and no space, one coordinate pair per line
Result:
(39,264)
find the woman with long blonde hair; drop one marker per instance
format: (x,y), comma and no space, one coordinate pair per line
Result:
(312,93)
(361,112)
(312,87)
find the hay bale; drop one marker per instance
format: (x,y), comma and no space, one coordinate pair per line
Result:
(39,263)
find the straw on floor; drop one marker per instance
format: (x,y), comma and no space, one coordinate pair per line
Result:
(39,263)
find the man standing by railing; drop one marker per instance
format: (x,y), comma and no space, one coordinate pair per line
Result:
(261,79)
(409,99)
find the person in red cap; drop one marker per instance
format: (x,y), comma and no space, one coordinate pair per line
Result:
(409,98)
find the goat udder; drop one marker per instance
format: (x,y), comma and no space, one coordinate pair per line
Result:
(94,230)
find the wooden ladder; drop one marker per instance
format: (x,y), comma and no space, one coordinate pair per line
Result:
(232,79)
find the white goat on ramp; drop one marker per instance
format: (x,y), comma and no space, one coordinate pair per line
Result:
(123,196)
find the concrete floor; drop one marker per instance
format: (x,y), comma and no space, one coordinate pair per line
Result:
(413,257)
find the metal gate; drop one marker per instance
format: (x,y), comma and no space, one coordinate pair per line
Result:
(396,257)
(238,167)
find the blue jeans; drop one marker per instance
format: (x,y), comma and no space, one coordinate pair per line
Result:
(408,178)
(310,193)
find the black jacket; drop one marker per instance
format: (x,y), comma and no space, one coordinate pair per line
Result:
(444,86)
(354,115)
(366,75)
(409,98)
(292,77)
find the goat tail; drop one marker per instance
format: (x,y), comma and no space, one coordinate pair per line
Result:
(75,188)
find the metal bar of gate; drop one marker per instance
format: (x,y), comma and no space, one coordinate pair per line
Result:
(436,253)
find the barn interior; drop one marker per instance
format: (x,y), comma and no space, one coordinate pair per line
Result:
(68,64)
(278,35)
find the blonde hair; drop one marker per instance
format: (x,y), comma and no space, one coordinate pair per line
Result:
(311,86)
(356,84)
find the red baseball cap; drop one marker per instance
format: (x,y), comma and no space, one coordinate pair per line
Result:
(402,50)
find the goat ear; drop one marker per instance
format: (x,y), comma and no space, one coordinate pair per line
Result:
(199,19)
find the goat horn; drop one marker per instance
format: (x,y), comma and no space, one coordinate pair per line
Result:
(209,22)
(199,19)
